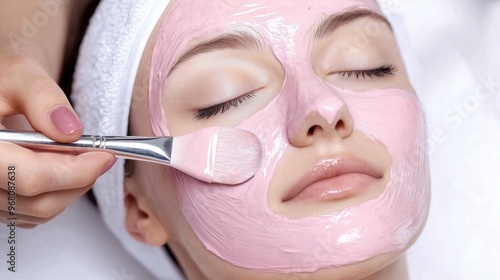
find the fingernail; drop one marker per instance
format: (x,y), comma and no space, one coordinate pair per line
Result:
(108,166)
(65,120)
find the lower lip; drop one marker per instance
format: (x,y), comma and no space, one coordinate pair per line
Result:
(336,188)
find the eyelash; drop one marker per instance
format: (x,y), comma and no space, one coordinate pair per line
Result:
(381,72)
(223,107)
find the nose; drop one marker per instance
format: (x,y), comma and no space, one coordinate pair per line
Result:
(319,114)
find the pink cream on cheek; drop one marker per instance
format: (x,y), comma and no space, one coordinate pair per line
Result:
(235,223)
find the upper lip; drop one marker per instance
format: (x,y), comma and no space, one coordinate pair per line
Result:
(330,168)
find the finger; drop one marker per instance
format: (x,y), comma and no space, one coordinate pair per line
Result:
(27,226)
(20,219)
(29,90)
(40,172)
(41,208)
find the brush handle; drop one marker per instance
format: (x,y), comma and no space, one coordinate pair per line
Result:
(150,149)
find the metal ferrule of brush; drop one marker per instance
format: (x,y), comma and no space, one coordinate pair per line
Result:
(151,149)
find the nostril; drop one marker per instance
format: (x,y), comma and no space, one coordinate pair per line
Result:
(340,125)
(311,130)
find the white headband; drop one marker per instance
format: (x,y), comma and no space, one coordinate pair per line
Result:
(104,79)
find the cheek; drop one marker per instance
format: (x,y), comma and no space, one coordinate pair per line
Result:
(213,199)
(392,117)
(158,183)
(395,119)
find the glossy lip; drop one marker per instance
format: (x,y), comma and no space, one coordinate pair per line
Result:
(329,178)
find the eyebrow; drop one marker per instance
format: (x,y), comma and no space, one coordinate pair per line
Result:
(245,40)
(236,40)
(330,24)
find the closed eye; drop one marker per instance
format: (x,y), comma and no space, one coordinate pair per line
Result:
(223,107)
(381,72)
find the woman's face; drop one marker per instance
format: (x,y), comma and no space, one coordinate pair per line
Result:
(344,177)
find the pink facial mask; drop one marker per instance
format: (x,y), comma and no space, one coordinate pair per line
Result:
(235,223)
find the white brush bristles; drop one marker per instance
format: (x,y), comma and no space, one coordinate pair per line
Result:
(239,156)
(217,154)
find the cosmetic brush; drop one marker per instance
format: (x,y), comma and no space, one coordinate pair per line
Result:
(215,154)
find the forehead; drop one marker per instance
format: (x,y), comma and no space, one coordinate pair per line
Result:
(278,19)
(224,11)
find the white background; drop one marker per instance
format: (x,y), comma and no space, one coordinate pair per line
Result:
(454,47)
(456,50)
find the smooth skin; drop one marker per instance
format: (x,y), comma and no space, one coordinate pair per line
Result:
(30,98)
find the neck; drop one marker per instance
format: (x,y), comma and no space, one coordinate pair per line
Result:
(395,271)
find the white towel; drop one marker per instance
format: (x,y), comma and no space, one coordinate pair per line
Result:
(456,44)
(105,74)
